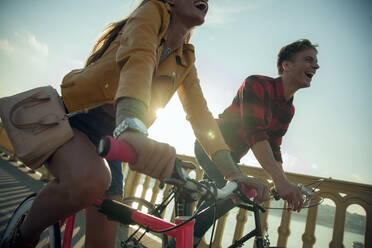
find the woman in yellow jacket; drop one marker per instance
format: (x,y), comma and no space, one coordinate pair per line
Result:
(135,68)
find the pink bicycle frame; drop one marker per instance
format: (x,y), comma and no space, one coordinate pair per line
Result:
(69,228)
(117,151)
(184,234)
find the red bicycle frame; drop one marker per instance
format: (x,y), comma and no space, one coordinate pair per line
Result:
(184,234)
(110,148)
(69,228)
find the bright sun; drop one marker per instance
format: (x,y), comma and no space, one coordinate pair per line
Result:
(171,127)
(159,112)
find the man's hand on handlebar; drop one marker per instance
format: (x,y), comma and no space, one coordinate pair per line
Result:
(158,160)
(262,191)
(154,159)
(291,193)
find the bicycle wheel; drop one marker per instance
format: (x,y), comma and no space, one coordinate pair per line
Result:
(139,203)
(51,237)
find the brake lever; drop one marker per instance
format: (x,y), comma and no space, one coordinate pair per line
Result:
(274,193)
(306,194)
(179,175)
(243,192)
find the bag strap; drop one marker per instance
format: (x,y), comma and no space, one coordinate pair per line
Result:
(47,120)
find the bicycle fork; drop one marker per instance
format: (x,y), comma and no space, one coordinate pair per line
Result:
(261,242)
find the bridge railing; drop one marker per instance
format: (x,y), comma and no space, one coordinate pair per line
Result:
(342,193)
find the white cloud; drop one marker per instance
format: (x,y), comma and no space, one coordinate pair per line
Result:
(226,14)
(314,166)
(357,178)
(37,45)
(6,46)
(289,161)
(56,71)
(31,40)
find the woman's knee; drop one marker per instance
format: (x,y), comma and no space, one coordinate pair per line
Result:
(95,183)
(83,191)
(81,174)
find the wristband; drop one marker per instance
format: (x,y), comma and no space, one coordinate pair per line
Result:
(133,124)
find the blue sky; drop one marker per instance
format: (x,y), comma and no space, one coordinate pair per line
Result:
(41,41)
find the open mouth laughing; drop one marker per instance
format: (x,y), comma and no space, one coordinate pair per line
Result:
(309,75)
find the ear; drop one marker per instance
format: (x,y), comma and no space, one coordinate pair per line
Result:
(286,64)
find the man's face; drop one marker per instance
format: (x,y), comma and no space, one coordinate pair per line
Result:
(303,67)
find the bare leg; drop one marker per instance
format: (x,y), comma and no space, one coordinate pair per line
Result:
(100,232)
(80,177)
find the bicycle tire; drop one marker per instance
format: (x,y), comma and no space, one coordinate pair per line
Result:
(151,209)
(51,237)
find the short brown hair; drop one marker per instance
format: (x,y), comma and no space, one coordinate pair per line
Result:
(289,51)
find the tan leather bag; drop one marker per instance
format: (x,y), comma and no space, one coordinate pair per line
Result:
(36,124)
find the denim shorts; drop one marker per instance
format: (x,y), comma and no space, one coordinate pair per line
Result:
(95,124)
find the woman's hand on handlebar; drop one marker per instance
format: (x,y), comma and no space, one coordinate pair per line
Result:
(154,159)
(262,191)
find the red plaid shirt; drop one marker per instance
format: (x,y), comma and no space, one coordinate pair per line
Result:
(258,112)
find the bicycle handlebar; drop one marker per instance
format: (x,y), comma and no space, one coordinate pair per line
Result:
(113,149)
(230,188)
(227,190)
(203,189)
(110,148)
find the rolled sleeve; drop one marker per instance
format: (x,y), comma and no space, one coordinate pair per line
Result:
(137,52)
(197,113)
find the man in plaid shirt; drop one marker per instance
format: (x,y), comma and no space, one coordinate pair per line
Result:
(257,119)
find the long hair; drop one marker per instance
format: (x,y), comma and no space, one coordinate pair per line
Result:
(108,35)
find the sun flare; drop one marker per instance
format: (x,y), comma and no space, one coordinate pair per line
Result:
(159,112)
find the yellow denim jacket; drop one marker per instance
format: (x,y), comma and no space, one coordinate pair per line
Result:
(130,68)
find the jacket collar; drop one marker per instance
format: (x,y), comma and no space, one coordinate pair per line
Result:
(180,52)
(186,46)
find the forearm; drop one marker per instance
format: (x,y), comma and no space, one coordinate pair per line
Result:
(265,157)
(130,107)
(280,165)
(225,164)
